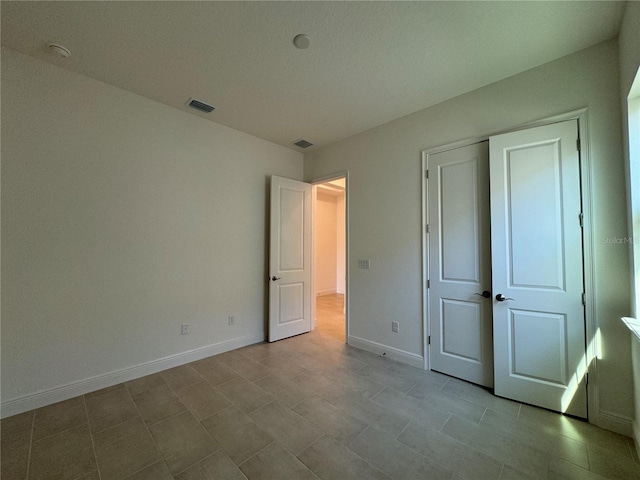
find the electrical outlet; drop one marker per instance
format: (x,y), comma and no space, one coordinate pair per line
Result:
(184,329)
(395,327)
(231,319)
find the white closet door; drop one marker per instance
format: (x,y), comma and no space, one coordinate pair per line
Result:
(536,237)
(460,264)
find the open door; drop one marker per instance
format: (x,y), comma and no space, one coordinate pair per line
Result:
(460,263)
(537,265)
(289,259)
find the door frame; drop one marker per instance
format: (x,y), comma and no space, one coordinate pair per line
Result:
(324,179)
(591,325)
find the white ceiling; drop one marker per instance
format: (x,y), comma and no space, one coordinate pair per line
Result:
(368,63)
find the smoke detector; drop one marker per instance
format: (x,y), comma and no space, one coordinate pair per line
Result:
(58,50)
(301,41)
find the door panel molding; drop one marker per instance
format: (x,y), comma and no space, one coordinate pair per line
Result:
(522,327)
(455,322)
(465,264)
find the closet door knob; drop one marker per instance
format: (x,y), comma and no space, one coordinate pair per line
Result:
(485,294)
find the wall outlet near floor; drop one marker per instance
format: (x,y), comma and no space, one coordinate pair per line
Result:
(395,327)
(184,329)
(231,320)
(364,263)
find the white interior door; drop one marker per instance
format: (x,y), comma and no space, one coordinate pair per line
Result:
(536,237)
(289,259)
(460,264)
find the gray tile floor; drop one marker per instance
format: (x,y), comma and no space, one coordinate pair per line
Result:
(306,407)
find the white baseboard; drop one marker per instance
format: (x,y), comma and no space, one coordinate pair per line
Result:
(393,353)
(615,422)
(43,398)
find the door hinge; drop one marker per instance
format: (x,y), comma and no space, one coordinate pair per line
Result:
(586,379)
(428,283)
(581,219)
(426,174)
(578,144)
(584,298)
(429,340)
(426,228)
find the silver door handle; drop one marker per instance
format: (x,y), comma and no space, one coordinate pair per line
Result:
(501,298)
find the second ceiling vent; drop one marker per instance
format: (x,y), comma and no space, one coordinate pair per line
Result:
(198,105)
(302,143)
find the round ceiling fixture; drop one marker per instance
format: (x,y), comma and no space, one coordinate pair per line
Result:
(301,41)
(58,50)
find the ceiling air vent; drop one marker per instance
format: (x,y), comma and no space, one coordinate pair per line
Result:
(302,143)
(198,105)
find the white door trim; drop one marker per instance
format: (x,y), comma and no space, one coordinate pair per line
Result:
(595,416)
(327,178)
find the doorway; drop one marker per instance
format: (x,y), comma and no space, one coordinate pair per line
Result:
(329,234)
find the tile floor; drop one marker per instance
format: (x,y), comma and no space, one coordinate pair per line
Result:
(307,407)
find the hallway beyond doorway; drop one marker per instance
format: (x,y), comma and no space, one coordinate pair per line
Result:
(330,315)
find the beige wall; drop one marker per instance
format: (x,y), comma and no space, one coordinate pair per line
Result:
(121,219)
(385,204)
